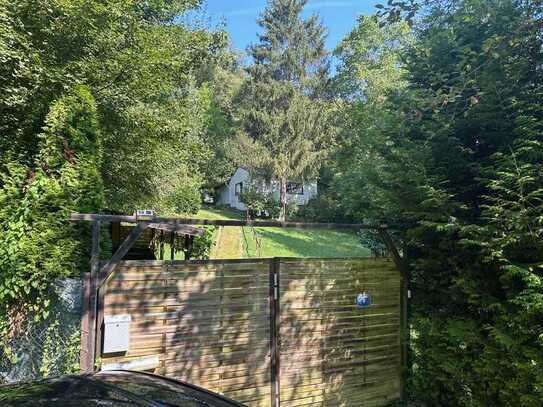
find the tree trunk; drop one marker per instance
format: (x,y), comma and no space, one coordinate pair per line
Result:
(283,199)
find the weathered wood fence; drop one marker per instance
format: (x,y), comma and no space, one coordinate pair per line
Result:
(266,331)
(263,331)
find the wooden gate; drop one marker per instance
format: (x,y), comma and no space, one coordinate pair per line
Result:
(265,332)
(333,353)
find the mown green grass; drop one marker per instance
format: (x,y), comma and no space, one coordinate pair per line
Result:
(238,242)
(228,241)
(218,214)
(278,242)
(233,242)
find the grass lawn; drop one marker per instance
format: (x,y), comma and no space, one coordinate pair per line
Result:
(218,213)
(239,242)
(234,242)
(279,242)
(228,241)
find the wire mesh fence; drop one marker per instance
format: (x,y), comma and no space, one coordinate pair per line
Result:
(50,347)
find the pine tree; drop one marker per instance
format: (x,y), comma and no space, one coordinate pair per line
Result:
(291,49)
(282,109)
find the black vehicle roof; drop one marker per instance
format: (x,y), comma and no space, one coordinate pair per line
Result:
(112,388)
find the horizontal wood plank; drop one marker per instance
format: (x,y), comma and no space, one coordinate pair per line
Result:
(208,322)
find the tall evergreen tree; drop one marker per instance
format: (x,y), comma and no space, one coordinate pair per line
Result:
(38,244)
(291,49)
(281,110)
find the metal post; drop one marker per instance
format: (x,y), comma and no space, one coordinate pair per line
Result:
(404,303)
(161,245)
(274,333)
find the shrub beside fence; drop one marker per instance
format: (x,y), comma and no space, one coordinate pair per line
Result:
(49,347)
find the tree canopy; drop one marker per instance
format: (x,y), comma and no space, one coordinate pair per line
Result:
(281,106)
(442,137)
(290,49)
(103,108)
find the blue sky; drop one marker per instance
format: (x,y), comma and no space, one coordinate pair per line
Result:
(339,16)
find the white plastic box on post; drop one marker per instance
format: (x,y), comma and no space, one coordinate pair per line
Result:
(116,333)
(145,214)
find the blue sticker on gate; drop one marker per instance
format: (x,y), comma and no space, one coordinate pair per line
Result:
(363,300)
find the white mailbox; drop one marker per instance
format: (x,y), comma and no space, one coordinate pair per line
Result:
(116,333)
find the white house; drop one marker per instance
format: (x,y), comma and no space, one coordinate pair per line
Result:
(230,194)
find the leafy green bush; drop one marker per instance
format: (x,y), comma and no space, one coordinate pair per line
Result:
(38,243)
(323,208)
(202,245)
(373,241)
(258,202)
(254,200)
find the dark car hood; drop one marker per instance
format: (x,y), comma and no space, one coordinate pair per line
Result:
(115,388)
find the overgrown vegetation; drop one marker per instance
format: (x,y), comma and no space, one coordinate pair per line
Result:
(104,106)
(443,136)
(37,244)
(431,122)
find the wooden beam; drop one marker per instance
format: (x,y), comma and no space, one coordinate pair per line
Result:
(189,240)
(396,257)
(99,319)
(223,222)
(85,352)
(103,217)
(252,260)
(161,245)
(88,322)
(123,249)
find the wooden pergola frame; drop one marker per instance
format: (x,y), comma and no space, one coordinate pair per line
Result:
(93,312)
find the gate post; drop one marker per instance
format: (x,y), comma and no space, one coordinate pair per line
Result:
(274,331)
(88,320)
(404,304)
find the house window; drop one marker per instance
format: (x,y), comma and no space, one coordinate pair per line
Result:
(238,189)
(294,188)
